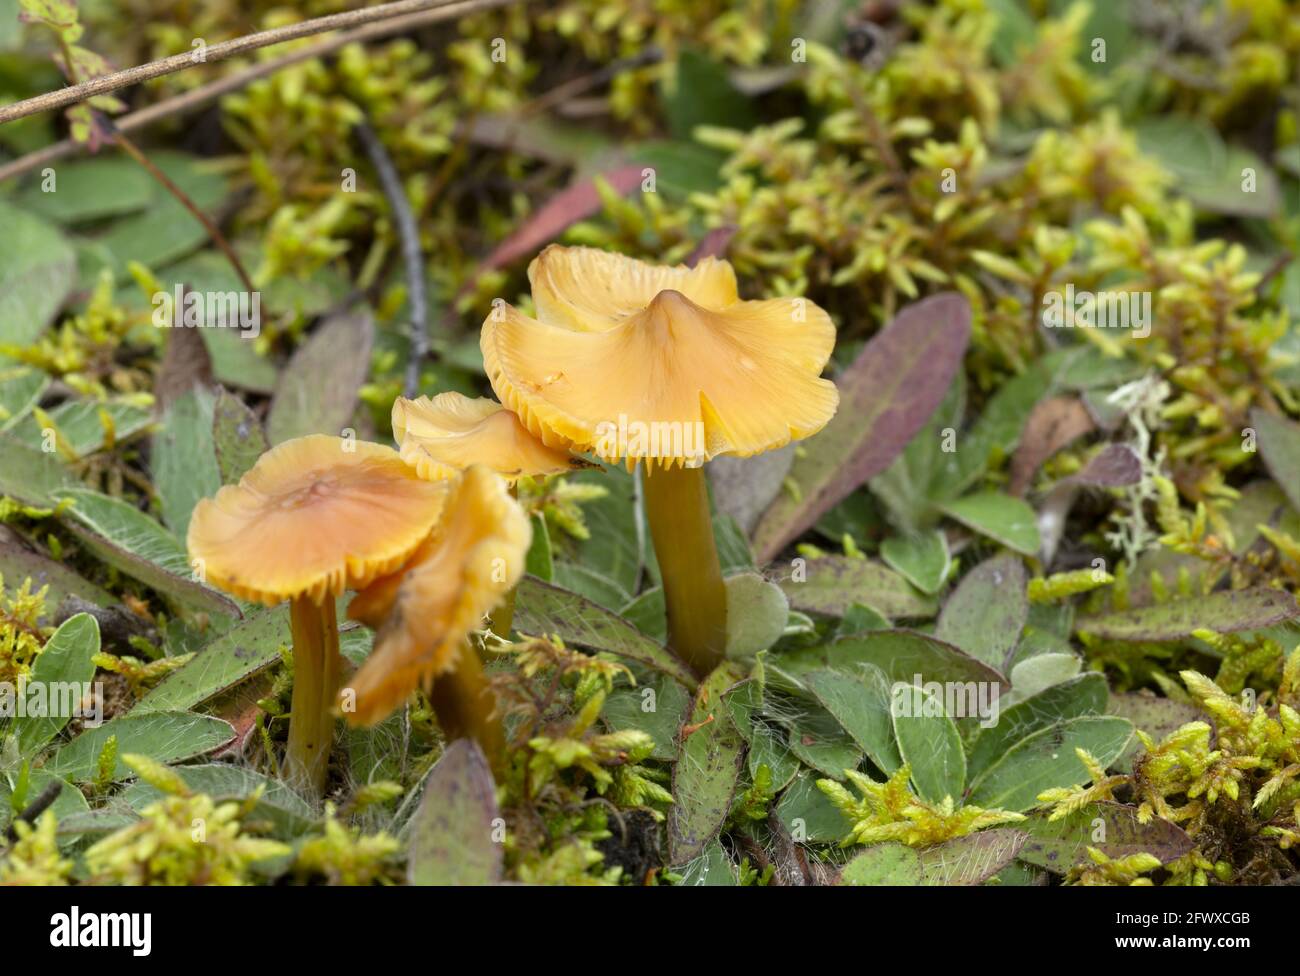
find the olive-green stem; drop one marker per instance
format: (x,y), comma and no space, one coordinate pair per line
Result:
(466,708)
(502,618)
(677,507)
(316,665)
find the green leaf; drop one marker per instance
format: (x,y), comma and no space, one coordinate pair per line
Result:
(82,424)
(37,271)
(543,609)
(832,584)
(1046,760)
(452,838)
(290,815)
(757,612)
(241,652)
(1208,171)
(20,390)
(928,741)
(69,802)
(615,548)
(699,92)
(986,613)
(62,674)
(1002,518)
(969,860)
(1112,828)
(1225,611)
(1042,671)
(184,458)
(237,437)
(165,230)
(78,193)
(707,768)
(590,583)
(126,538)
(922,559)
(319,388)
(821,742)
(808,814)
(1279,445)
(18,563)
(164,736)
(902,655)
(886,396)
(712,869)
(656,706)
(31,475)
(540,561)
(1084,695)
(859,699)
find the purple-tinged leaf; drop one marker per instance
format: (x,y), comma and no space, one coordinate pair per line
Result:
(1060,844)
(1279,443)
(1225,611)
(886,396)
(1115,466)
(452,839)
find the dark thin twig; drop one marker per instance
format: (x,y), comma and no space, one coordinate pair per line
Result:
(214,232)
(408,232)
(44,800)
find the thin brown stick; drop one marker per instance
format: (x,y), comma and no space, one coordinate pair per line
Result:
(193,100)
(214,232)
(214,52)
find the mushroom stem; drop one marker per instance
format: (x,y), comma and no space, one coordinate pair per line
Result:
(677,507)
(463,701)
(502,618)
(316,665)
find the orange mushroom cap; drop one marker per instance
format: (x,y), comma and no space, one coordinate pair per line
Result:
(443,436)
(672,382)
(315,516)
(423,613)
(590,290)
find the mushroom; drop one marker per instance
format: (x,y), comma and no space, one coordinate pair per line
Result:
(423,613)
(666,366)
(315,516)
(443,436)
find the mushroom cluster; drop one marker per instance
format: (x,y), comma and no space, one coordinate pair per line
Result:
(318,516)
(630,362)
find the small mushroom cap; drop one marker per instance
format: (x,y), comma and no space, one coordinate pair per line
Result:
(314,516)
(443,436)
(673,383)
(423,613)
(590,290)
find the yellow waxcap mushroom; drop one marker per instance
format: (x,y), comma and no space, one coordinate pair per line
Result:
(590,290)
(443,436)
(314,516)
(672,383)
(474,556)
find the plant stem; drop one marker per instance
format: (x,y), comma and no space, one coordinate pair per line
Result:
(463,701)
(502,618)
(316,665)
(677,507)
